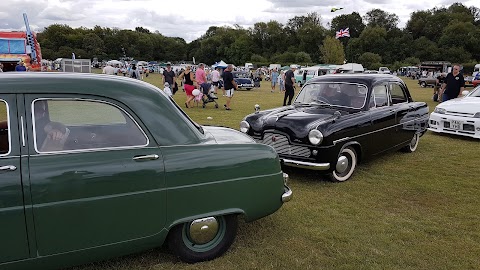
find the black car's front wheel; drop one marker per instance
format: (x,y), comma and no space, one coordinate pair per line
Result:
(345,166)
(423,84)
(203,239)
(412,146)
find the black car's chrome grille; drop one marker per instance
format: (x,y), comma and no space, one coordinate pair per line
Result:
(281,144)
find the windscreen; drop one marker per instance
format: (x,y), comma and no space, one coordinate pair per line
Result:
(335,94)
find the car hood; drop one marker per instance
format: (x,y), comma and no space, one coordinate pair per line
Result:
(462,105)
(223,135)
(296,121)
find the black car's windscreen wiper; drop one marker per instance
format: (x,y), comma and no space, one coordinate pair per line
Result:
(321,102)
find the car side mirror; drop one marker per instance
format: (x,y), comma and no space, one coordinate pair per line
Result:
(465,92)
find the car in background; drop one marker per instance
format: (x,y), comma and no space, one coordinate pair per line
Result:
(427,81)
(339,120)
(459,116)
(384,70)
(469,81)
(243,80)
(98,166)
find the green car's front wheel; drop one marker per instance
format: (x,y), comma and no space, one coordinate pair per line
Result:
(203,239)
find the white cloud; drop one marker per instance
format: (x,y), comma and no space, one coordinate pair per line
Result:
(189,19)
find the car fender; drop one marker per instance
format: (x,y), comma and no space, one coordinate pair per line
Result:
(223,212)
(357,146)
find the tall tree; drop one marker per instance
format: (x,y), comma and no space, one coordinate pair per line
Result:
(380,18)
(332,51)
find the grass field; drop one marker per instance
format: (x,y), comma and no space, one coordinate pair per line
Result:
(400,211)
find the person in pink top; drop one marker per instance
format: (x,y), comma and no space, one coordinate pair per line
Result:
(200,75)
(201,78)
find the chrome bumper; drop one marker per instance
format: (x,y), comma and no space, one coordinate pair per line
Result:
(306,165)
(287,194)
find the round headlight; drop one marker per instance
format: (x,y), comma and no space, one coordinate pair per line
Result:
(244,126)
(315,137)
(440,110)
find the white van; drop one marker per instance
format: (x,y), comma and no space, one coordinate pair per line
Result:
(384,70)
(350,68)
(476,70)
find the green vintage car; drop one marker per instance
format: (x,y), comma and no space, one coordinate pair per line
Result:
(96,166)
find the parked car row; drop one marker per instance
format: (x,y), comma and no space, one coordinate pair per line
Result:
(87,173)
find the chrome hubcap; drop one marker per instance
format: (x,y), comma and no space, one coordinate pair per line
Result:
(203,230)
(342,164)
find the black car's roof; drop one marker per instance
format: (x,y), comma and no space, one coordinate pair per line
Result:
(361,78)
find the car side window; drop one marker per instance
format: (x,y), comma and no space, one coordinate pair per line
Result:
(67,124)
(4,131)
(379,96)
(398,93)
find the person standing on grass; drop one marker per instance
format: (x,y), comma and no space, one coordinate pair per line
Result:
(274,78)
(188,85)
(215,79)
(170,77)
(229,85)
(289,83)
(453,85)
(201,76)
(281,81)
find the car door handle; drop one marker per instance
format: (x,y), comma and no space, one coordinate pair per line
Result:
(8,168)
(146,157)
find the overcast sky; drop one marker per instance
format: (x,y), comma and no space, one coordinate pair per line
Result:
(190,19)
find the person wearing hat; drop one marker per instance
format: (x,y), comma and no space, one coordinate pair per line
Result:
(289,83)
(20,67)
(170,77)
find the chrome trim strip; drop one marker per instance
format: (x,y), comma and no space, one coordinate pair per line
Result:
(287,194)
(23,131)
(306,165)
(371,132)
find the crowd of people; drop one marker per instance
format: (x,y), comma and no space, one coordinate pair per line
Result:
(447,86)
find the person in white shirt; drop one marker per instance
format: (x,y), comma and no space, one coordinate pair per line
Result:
(108,69)
(215,79)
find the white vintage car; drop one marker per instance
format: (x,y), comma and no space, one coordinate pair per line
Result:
(460,116)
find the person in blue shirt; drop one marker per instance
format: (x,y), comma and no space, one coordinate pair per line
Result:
(20,67)
(274,78)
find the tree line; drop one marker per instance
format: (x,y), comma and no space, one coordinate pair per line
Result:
(442,33)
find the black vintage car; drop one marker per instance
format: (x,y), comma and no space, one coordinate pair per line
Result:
(338,120)
(243,80)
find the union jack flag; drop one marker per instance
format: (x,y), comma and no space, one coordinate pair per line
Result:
(343,33)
